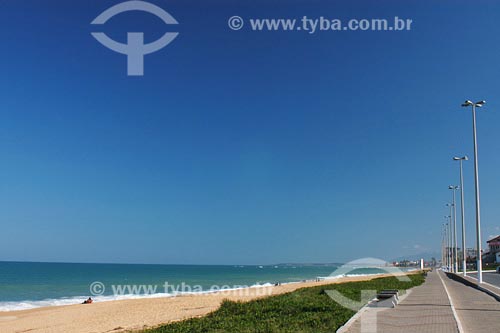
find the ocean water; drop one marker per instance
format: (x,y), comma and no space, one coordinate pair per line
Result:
(26,285)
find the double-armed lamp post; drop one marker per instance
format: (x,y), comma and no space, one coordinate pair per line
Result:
(476,181)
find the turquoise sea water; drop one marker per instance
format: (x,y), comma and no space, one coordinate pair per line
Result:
(26,285)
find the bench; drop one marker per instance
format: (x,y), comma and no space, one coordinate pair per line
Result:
(388,298)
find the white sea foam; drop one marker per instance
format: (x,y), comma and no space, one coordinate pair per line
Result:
(27,304)
(335,277)
(262,285)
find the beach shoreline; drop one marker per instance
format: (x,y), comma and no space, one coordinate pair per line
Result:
(140,313)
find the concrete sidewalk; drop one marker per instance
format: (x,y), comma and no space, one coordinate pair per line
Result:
(426,309)
(477,311)
(486,286)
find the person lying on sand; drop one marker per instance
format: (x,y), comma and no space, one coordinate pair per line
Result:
(88,301)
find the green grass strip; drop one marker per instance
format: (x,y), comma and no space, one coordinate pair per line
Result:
(304,310)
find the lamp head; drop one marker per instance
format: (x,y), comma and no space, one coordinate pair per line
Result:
(480,103)
(467,103)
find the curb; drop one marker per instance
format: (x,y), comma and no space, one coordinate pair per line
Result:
(344,328)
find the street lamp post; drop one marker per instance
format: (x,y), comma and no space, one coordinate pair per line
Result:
(454,188)
(452,237)
(445,250)
(448,245)
(443,245)
(450,264)
(476,181)
(464,253)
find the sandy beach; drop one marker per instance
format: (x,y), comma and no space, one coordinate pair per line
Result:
(135,314)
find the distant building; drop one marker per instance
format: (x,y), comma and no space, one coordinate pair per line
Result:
(470,253)
(407,263)
(494,244)
(493,253)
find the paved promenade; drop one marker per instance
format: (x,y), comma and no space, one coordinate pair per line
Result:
(425,309)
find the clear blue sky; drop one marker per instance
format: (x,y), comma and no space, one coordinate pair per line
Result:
(241,146)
